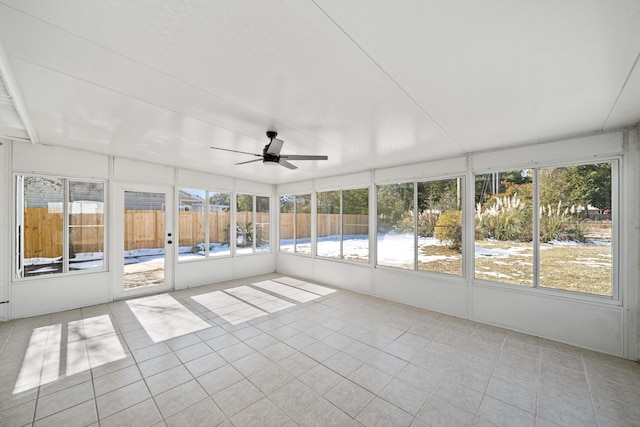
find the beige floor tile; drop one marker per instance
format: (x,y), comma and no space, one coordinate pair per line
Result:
(178,398)
(116,380)
(219,379)
(80,415)
(168,379)
(322,413)
(204,364)
(121,399)
(439,412)
(405,396)
(502,414)
(261,414)
(382,413)
(237,397)
(141,415)
(349,397)
(293,397)
(202,413)
(271,378)
(18,415)
(63,399)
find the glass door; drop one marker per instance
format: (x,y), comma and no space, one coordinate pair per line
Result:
(145,240)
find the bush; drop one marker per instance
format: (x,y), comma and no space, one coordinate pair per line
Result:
(506,218)
(427,221)
(556,224)
(448,229)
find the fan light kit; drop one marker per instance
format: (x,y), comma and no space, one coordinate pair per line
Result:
(271,154)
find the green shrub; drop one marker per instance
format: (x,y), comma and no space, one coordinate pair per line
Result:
(448,229)
(558,224)
(427,221)
(504,218)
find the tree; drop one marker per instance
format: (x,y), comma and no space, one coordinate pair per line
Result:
(221,200)
(244,203)
(394,202)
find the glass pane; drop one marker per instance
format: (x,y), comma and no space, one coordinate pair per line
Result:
(244,223)
(286,223)
(395,238)
(191,224)
(440,226)
(328,224)
(86,225)
(219,224)
(575,228)
(355,225)
(143,239)
(504,227)
(263,225)
(43,238)
(303,224)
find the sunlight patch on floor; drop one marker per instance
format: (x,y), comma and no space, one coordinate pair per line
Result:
(163,317)
(89,343)
(228,308)
(290,292)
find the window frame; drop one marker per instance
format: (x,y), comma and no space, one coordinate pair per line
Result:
(312,208)
(18,246)
(463,206)
(341,225)
(207,242)
(615,298)
(254,215)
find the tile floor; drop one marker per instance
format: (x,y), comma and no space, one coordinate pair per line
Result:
(272,351)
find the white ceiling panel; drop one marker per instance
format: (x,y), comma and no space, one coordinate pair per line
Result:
(372,84)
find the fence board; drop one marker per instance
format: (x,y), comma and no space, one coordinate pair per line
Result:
(145,229)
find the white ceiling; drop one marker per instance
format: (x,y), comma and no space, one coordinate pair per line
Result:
(370,83)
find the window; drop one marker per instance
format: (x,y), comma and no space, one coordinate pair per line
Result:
(396,241)
(420,225)
(287,223)
(295,223)
(60,225)
(244,224)
(203,224)
(303,224)
(252,224)
(329,232)
(439,226)
(192,224)
(343,224)
(566,245)
(219,223)
(576,228)
(504,227)
(263,224)
(355,225)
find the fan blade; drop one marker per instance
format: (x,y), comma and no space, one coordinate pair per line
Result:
(236,151)
(287,164)
(249,161)
(275,146)
(303,157)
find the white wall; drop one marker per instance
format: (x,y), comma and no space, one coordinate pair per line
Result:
(590,322)
(47,294)
(5,236)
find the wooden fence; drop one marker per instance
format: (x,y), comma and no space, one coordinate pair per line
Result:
(145,229)
(328,225)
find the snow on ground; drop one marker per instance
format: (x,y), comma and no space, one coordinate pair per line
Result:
(392,249)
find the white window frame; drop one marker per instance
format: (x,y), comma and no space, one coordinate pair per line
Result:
(18,248)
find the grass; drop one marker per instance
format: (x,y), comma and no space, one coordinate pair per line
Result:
(579,268)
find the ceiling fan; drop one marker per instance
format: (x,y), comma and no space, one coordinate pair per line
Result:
(271,153)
